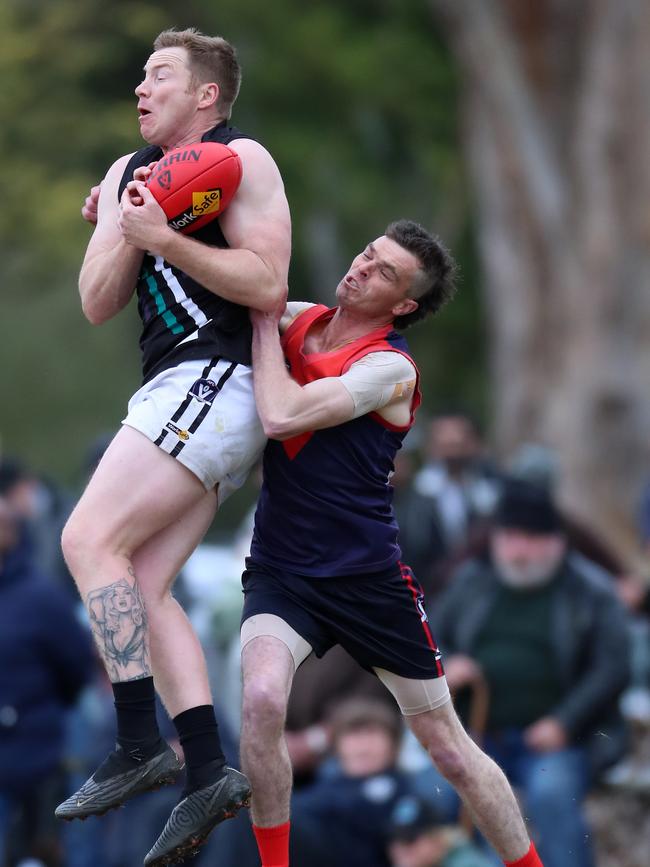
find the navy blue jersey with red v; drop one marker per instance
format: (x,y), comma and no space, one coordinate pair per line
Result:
(325,508)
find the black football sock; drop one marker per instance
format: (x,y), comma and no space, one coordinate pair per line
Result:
(137,727)
(198,733)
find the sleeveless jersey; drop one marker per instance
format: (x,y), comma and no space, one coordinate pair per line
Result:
(325,508)
(182,320)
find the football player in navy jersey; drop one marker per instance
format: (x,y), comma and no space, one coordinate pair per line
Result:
(337,391)
(190,435)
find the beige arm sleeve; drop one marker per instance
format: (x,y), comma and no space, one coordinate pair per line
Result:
(378,379)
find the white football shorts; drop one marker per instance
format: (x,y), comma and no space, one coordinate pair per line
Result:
(203,414)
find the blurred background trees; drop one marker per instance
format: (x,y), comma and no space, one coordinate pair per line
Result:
(358,101)
(556,127)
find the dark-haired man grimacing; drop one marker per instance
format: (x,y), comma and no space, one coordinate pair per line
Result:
(337,392)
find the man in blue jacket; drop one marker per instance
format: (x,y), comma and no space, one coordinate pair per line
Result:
(46,657)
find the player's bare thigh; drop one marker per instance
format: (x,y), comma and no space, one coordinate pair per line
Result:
(136,491)
(159,560)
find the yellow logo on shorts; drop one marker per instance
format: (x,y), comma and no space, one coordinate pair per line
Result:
(181,434)
(206,202)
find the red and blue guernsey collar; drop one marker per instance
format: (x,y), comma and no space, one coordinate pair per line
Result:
(306,368)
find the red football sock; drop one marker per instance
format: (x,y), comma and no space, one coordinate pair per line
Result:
(530,859)
(273,844)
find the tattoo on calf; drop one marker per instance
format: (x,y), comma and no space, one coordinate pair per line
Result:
(119,624)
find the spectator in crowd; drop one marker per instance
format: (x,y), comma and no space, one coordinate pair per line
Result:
(540,465)
(420,535)
(46,657)
(457,477)
(418,839)
(344,814)
(43,509)
(544,626)
(320,685)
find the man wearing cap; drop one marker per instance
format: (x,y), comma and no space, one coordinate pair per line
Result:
(418,839)
(544,627)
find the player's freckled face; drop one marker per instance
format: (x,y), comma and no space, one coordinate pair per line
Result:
(166,100)
(378,278)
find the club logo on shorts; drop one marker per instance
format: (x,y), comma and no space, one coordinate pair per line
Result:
(181,434)
(420,606)
(204,390)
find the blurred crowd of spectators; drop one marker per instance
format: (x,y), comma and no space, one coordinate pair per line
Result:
(546,644)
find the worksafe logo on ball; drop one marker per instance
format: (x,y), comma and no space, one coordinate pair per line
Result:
(206,202)
(204,390)
(182,220)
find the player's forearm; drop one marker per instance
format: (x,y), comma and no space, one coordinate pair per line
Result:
(237,275)
(107,281)
(276,394)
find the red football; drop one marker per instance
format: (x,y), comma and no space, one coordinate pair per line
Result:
(195,183)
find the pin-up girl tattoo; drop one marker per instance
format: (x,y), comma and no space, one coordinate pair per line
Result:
(119,624)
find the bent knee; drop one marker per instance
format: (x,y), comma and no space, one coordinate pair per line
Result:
(263,705)
(75,542)
(86,543)
(155,593)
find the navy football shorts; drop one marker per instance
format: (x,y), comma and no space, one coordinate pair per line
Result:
(378,619)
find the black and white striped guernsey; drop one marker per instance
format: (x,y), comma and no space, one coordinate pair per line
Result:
(181,320)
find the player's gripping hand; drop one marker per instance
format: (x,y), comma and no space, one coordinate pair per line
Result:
(89,207)
(142,225)
(141,174)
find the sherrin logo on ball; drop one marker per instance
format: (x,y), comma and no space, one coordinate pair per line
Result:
(195,183)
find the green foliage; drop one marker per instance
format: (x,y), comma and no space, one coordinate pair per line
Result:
(356,100)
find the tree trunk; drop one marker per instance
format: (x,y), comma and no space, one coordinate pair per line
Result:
(556,123)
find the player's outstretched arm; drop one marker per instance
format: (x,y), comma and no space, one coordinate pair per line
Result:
(110,267)
(256,225)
